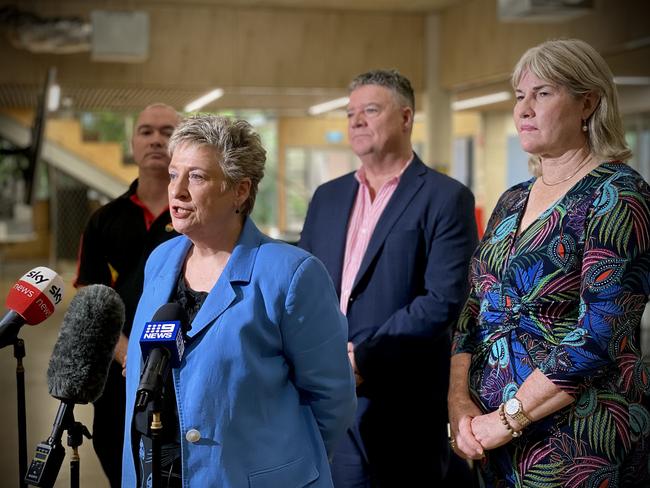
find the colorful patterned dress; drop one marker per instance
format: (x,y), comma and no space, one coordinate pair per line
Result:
(566,296)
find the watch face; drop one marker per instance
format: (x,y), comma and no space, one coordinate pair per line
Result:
(512,406)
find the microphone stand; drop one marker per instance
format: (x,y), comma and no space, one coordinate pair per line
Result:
(75,438)
(49,454)
(19,354)
(9,328)
(155,430)
(151,401)
(150,394)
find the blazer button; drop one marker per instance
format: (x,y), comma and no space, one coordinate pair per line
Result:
(193,436)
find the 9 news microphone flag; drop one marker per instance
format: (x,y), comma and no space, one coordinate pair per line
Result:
(162,344)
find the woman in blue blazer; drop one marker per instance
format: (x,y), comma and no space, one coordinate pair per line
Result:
(264,388)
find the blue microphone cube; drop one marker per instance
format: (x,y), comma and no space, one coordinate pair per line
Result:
(167,335)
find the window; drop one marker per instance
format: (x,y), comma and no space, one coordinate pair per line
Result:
(306,169)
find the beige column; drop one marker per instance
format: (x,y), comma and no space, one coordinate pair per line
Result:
(437,100)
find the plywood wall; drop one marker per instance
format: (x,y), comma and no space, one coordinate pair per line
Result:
(194,45)
(477,48)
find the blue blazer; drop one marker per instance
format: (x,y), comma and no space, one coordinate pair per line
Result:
(407,294)
(265,377)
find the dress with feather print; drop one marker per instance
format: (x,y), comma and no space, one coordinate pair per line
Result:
(566,296)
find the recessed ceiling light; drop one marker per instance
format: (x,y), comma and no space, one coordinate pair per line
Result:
(632,80)
(328,106)
(53,97)
(480,101)
(203,100)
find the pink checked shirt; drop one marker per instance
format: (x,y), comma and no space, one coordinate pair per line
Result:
(365,215)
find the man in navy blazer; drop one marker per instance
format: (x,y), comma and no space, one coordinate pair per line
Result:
(396,238)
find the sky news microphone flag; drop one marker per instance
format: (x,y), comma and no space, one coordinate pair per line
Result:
(31,300)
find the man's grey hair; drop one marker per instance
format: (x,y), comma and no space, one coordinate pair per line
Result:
(390,79)
(235,141)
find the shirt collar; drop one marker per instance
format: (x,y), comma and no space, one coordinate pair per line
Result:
(360,174)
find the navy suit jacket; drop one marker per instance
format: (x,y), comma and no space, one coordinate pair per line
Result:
(407,294)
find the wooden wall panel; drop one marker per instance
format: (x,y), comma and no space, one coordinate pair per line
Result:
(477,48)
(193,46)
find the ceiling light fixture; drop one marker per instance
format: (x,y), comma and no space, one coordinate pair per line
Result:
(632,80)
(480,101)
(328,106)
(203,100)
(53,97)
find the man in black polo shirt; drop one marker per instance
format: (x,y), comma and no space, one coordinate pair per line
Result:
(114,248)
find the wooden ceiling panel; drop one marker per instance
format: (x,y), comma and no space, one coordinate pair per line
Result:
(412,6)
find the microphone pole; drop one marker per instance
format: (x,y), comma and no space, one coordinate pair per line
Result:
(11,324)
(156,445)
(19,354)
(76,433)
(150,392)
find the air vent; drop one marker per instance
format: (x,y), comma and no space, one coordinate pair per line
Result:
(121,37)
(543,11)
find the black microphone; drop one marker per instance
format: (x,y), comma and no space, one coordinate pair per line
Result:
(162,344)
(78,369)
(31,300)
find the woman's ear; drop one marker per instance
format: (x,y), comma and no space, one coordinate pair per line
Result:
(242,190)
(589,104)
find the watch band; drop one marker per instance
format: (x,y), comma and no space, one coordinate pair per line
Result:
(521,419)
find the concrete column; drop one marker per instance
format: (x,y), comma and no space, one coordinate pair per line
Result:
(437,101)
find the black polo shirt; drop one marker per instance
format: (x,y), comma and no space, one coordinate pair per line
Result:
(116,244)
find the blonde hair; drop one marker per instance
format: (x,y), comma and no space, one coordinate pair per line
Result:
(579,68)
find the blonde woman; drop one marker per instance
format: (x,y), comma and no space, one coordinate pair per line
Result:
(548,387)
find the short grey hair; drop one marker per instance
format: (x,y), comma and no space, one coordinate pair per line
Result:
(235,141)
(575,65)
(391,79)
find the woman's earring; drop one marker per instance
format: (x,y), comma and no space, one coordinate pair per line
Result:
(237,210)
(584,126)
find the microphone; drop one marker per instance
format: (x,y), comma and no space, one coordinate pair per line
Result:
(31,300)
(78,369)
(162,344)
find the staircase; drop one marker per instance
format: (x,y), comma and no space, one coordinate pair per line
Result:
(97,165)
(53,227)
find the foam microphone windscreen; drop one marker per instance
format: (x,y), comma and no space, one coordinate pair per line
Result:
(84,349)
